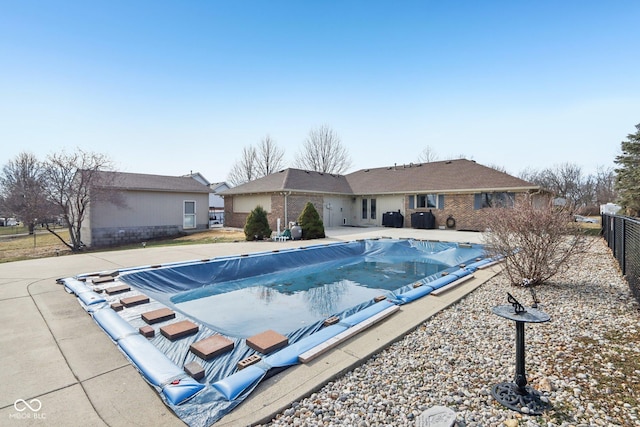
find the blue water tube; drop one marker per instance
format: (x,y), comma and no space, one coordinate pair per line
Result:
(415,293)
(476,265)
(155,367)
(113,324)
(424,290)
(159,370)
(87,295)
(232,386)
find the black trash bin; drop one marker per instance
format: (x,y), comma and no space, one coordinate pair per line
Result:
(393,219)
(430,220)
(423,220)
(418,220)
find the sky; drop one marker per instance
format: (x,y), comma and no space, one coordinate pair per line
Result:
(174,87)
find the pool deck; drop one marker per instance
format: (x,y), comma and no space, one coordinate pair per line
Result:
(55,358)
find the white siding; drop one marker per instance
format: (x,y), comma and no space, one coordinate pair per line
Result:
(389,204)
(383,204)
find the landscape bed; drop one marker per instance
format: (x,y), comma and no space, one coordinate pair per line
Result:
(211,313)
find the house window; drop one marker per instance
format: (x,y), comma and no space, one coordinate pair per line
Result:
(426,201)
(493,200)
(189,218)
(373,208)
(364,208)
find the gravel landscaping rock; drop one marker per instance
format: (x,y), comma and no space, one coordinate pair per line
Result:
(586,360)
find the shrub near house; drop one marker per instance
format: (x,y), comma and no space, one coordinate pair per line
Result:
(257,226)
(312,225)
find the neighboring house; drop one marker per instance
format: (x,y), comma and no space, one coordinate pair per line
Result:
(216,202)
(146,207)
(456,192)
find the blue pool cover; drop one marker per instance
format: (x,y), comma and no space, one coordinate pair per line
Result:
(204,402)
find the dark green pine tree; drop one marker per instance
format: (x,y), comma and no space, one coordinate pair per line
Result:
(257,225)
(312,225)
(628,174)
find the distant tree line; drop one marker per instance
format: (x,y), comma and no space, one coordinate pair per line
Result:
(607,185)
(571,186)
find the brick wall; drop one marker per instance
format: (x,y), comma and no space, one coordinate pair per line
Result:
(295,205)
(461,208)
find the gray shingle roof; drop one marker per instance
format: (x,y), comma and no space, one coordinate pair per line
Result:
(445,176)
(144,182)
(294,180)
(437,177)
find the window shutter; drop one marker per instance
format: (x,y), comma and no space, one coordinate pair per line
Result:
(477,201)
(440,201)
(411,202)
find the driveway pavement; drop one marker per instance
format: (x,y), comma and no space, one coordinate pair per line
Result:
(59,368)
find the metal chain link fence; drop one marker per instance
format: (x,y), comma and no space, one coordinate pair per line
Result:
(623,237)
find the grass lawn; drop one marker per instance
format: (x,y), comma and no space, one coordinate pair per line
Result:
(16,246)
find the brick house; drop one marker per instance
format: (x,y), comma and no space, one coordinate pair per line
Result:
(457,193)
(143,207)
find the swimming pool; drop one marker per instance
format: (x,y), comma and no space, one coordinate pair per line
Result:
(291,291)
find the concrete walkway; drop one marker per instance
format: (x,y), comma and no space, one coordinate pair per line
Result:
(59,368)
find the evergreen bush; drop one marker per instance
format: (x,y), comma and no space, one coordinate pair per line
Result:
(257,225)
(312,225)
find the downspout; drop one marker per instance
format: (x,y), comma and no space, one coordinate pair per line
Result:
(286,219)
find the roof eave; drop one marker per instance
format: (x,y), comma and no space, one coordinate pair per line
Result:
(158,190)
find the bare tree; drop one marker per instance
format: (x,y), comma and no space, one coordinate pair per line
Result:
(428,155)
(605,185)
(537,242)
(244,170)
(565,180)
(497,167)
(22,190)
(73,180)
(585,192)
(531,175)
(323,151)
(268,157)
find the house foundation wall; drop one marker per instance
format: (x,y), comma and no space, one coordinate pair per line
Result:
(115,236)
